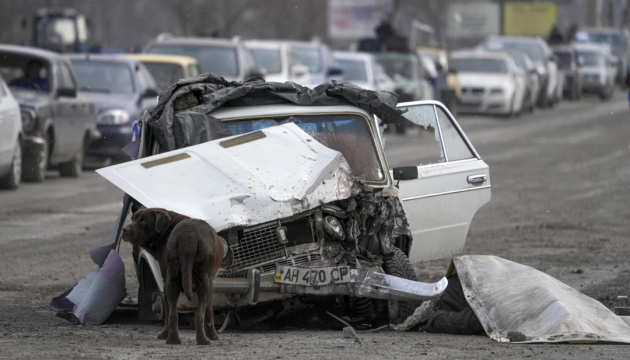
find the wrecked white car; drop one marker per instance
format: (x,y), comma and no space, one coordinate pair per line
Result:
(297,184)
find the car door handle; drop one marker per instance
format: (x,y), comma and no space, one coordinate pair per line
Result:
(477,179)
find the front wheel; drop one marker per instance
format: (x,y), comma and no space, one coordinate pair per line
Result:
(399,265)
(35,165)
(12,179)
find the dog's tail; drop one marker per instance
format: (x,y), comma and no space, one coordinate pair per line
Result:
(187,279)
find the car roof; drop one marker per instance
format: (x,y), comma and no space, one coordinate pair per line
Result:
(479,54)
(510,38)
(174,59)
(351,55)
(30,51)
(267,44)
(591,47)
(195,41)
(114,58)
(282,109)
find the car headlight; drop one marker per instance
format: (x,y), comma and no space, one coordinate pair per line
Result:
(333,228)
(541,69)
(113,117)
(28,120)
(497,91)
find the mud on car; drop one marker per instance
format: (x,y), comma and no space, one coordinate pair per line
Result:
(297,184)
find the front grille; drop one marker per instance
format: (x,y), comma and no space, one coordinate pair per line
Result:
(258,244)
(270,267)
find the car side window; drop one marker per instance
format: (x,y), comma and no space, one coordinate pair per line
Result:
(456,147)
(66,81)
(423,136)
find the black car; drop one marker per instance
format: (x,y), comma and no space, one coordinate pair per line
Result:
(568,65)
(58,124)
(122,89)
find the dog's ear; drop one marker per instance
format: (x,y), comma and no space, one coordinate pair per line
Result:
(135,215)
(161,220)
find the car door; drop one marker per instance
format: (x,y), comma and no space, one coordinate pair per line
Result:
(452,181)
(9,123)
(73,111)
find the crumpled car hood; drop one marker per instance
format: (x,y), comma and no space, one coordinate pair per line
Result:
(240,180)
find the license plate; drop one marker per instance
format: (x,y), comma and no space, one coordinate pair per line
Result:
(312,276)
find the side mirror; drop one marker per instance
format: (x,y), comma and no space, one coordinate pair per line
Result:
(405,173)
(452,70)
(151,92)
(66,92)
(255,72)
(335,71)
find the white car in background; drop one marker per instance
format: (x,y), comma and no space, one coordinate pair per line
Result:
(363,70)
(491,83)
(278,62)
(10,139)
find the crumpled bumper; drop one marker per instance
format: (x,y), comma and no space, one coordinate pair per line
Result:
(363,283)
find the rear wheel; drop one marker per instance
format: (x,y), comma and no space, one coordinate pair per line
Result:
(12,179)
(73,167)
(398,265)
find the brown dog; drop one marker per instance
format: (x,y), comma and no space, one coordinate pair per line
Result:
(189,253)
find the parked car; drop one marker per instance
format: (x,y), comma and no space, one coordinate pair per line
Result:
(568,65)
(363,70)
(58,124)
(617,39)
(409,76)
(278,61)
(227,58)
(597,69)
(528,71)
(540,54)
(491,82)
(332,230)
(122,90)
(167,69)
(319,60)
(10,139)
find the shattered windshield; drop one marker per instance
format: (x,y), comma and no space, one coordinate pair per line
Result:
(350,134)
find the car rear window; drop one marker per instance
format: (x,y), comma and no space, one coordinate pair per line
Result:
(268,59)
(102,76)
(480,65)
(165,74)
(353,70)
(221,60)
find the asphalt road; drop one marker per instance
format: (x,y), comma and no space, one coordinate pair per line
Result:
(560,195)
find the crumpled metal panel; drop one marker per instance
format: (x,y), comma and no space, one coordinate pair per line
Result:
(224,182)
(375,285)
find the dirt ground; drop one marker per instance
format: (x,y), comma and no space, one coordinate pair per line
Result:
(560,195)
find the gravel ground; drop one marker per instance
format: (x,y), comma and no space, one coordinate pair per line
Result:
(560,189)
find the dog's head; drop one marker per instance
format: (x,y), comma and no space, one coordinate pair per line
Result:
(146,225)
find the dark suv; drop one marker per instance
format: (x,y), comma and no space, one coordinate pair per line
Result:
(58,124)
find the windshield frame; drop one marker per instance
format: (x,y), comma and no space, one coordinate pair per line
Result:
(375,143)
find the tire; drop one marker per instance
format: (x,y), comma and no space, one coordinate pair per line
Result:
(73,167)
(398,265)
(35,165)
(12,179)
